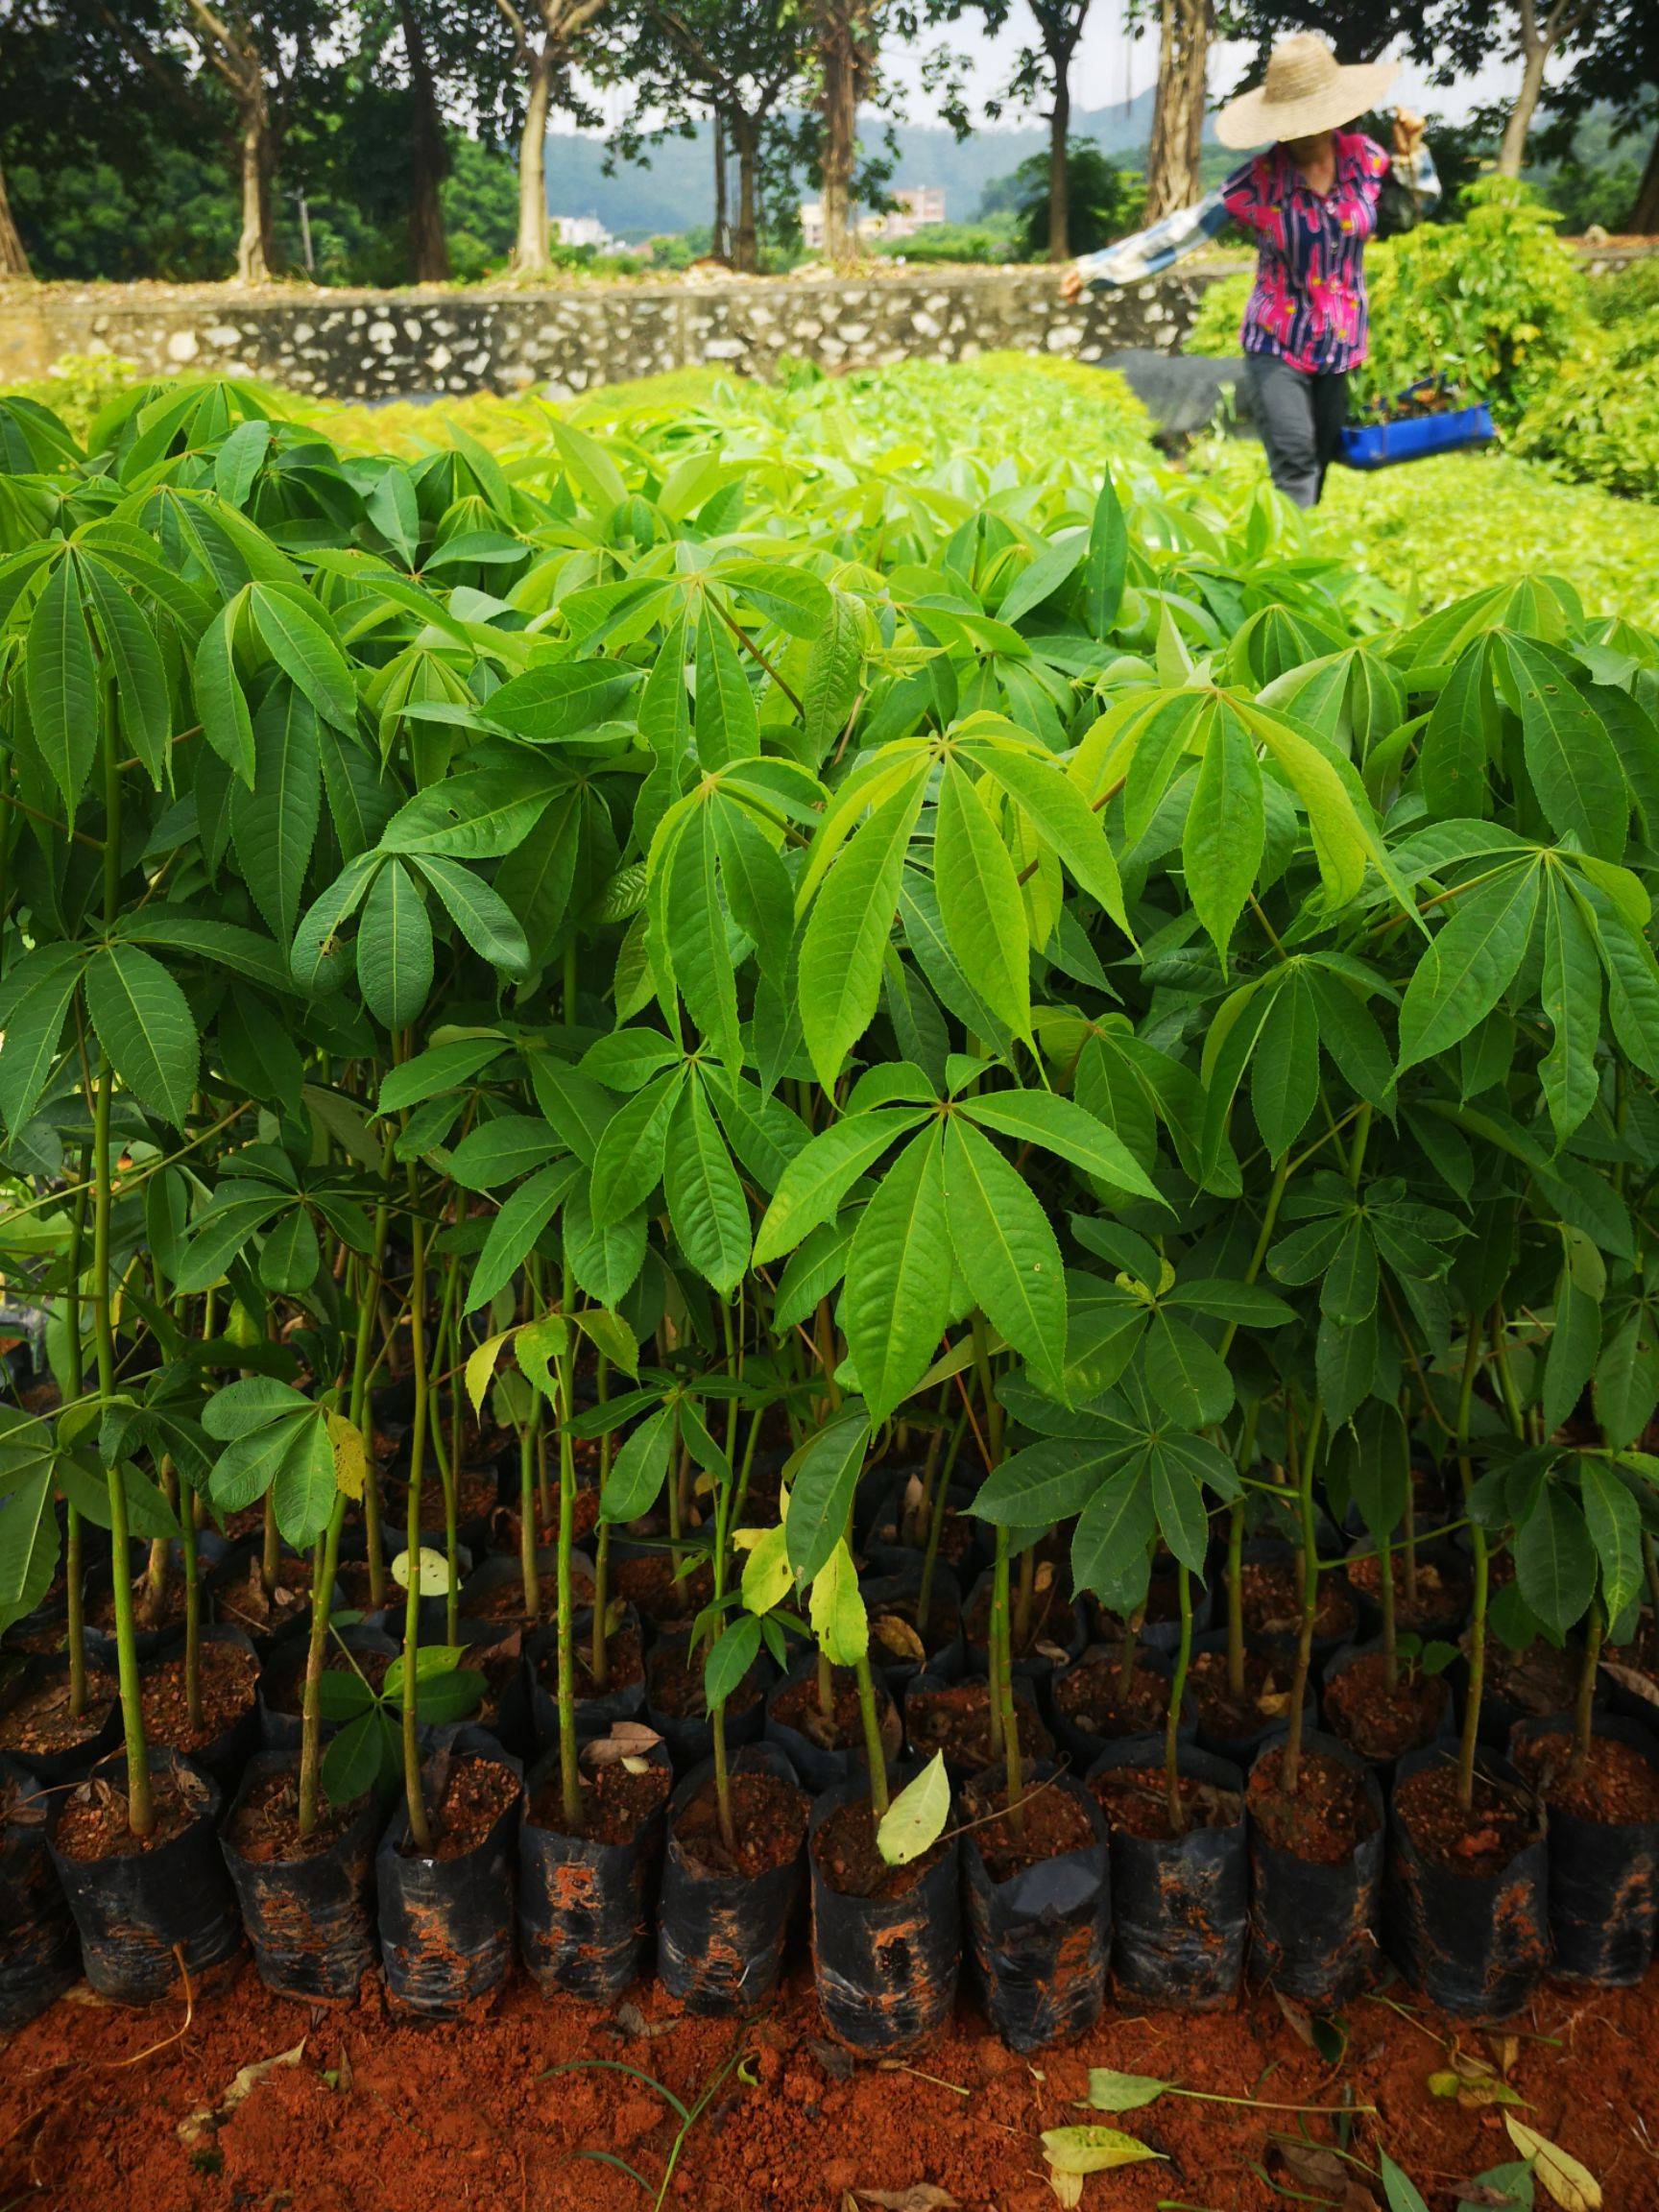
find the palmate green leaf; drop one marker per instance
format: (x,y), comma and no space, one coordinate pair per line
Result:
(503,1148)
(1575,1338)
(298,640)
(479,814)
(1186,1378)
(834,667)
(304,1484)
(274,822)
(1570,758)
(897,1297)
(694,924)
(1628,1379)
(1344,1365)
(727,721)
(1555,1563)
(1284,1068)
(1343,844)
(731,1655)
(1470,964)
(484,920)
(144,1024)
(1112,1547)
(1046,1484)
(33,1030)
(628,1163)
(221,703)
(1222,843)
(796,600)
(915,1820)
(814,1183)
(514,1232)
(640,1469)
(820,1478)
(1106,563)
(606,1263)
(1457,741)
(979,901)
(315,956)
(1061,816)
(847,928)
(394,963)
(705,1202)
(1060,1126)
(139,675)
(60,681)
(28,1520)
(1614,1519)
(1570,994)
(1005,1250)
(757,883)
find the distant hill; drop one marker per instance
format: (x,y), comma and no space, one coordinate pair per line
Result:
(676,192)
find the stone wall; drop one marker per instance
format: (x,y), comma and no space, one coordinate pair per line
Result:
(568,338)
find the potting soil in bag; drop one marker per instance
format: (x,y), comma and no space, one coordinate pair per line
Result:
(1039,1928)
(37,1727)
(1317,1873)
(826,1749)
(724,1914)
(155,1915)
(446,1914)
(1604,1846)
(1469,1927)
(623,1697)
(585,1900)
(308,1909)
(227,1679)
(39,1956)
(886,1941)
(1180,1901)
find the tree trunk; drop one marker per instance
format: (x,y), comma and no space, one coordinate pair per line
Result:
(722,214)
(1059,184)
(428,159)
(13,259)
(1643,216)
(1178,117)
(1512,152)
(254,253)
(747,243)
(530,254)
(840,62)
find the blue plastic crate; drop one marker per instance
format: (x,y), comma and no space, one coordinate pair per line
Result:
(1416,438)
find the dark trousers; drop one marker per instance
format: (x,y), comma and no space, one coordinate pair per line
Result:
(1300,417)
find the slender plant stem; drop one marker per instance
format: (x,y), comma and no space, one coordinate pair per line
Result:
(875,1751)
(569,1771)
(1177,1699)
(1470,1742)
(420,1828)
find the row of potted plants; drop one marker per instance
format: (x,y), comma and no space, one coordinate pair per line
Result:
(1018,1035)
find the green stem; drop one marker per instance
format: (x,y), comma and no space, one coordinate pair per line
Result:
(1001,1657)
(527,1519)
(1471,1737)
(1236,1682)
(1291,1765)
(419,1829)
(192,1605)
(326,1566)
(1177,1699)
(1584,1705)
(940,1505)
(74,1562)
(874,1754)
(570,1773)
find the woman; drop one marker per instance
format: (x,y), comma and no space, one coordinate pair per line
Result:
(1311,202)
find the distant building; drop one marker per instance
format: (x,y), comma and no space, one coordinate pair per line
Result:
(916,206)
(581,230)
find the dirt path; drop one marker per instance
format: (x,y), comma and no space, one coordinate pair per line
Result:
(378,2116)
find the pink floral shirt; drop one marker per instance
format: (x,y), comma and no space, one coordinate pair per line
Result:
(1309,303)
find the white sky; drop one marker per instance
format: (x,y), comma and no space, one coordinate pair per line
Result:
(1110,68)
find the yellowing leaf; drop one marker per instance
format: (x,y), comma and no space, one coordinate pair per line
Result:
(766,1577)
(1110,2092)
(481,1366)
(915,1820)
(1572,2186)
(839,1620)
(351,1454)
(432,1570)
(1093,2150)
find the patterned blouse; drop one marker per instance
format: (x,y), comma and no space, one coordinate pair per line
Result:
(1309,304)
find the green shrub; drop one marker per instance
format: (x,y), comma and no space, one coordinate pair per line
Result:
(1598,417)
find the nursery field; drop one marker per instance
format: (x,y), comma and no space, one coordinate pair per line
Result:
(831,1369)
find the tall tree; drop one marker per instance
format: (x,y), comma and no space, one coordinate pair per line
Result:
(1172,160)
(1042,76)
(229,45)
(429,153)
(13,258)
(739,61)
(848,39)
(544,40)
(1538,36)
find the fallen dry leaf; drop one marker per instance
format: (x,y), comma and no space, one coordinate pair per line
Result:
(1572,2186)
(196,2125)
(625,1740)
(633,2022)
(1066,2187)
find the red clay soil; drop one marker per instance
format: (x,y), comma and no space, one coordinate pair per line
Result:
(388,2115)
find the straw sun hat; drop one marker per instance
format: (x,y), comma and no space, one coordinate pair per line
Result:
(1307,90)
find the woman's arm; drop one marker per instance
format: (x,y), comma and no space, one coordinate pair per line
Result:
(1411,165)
